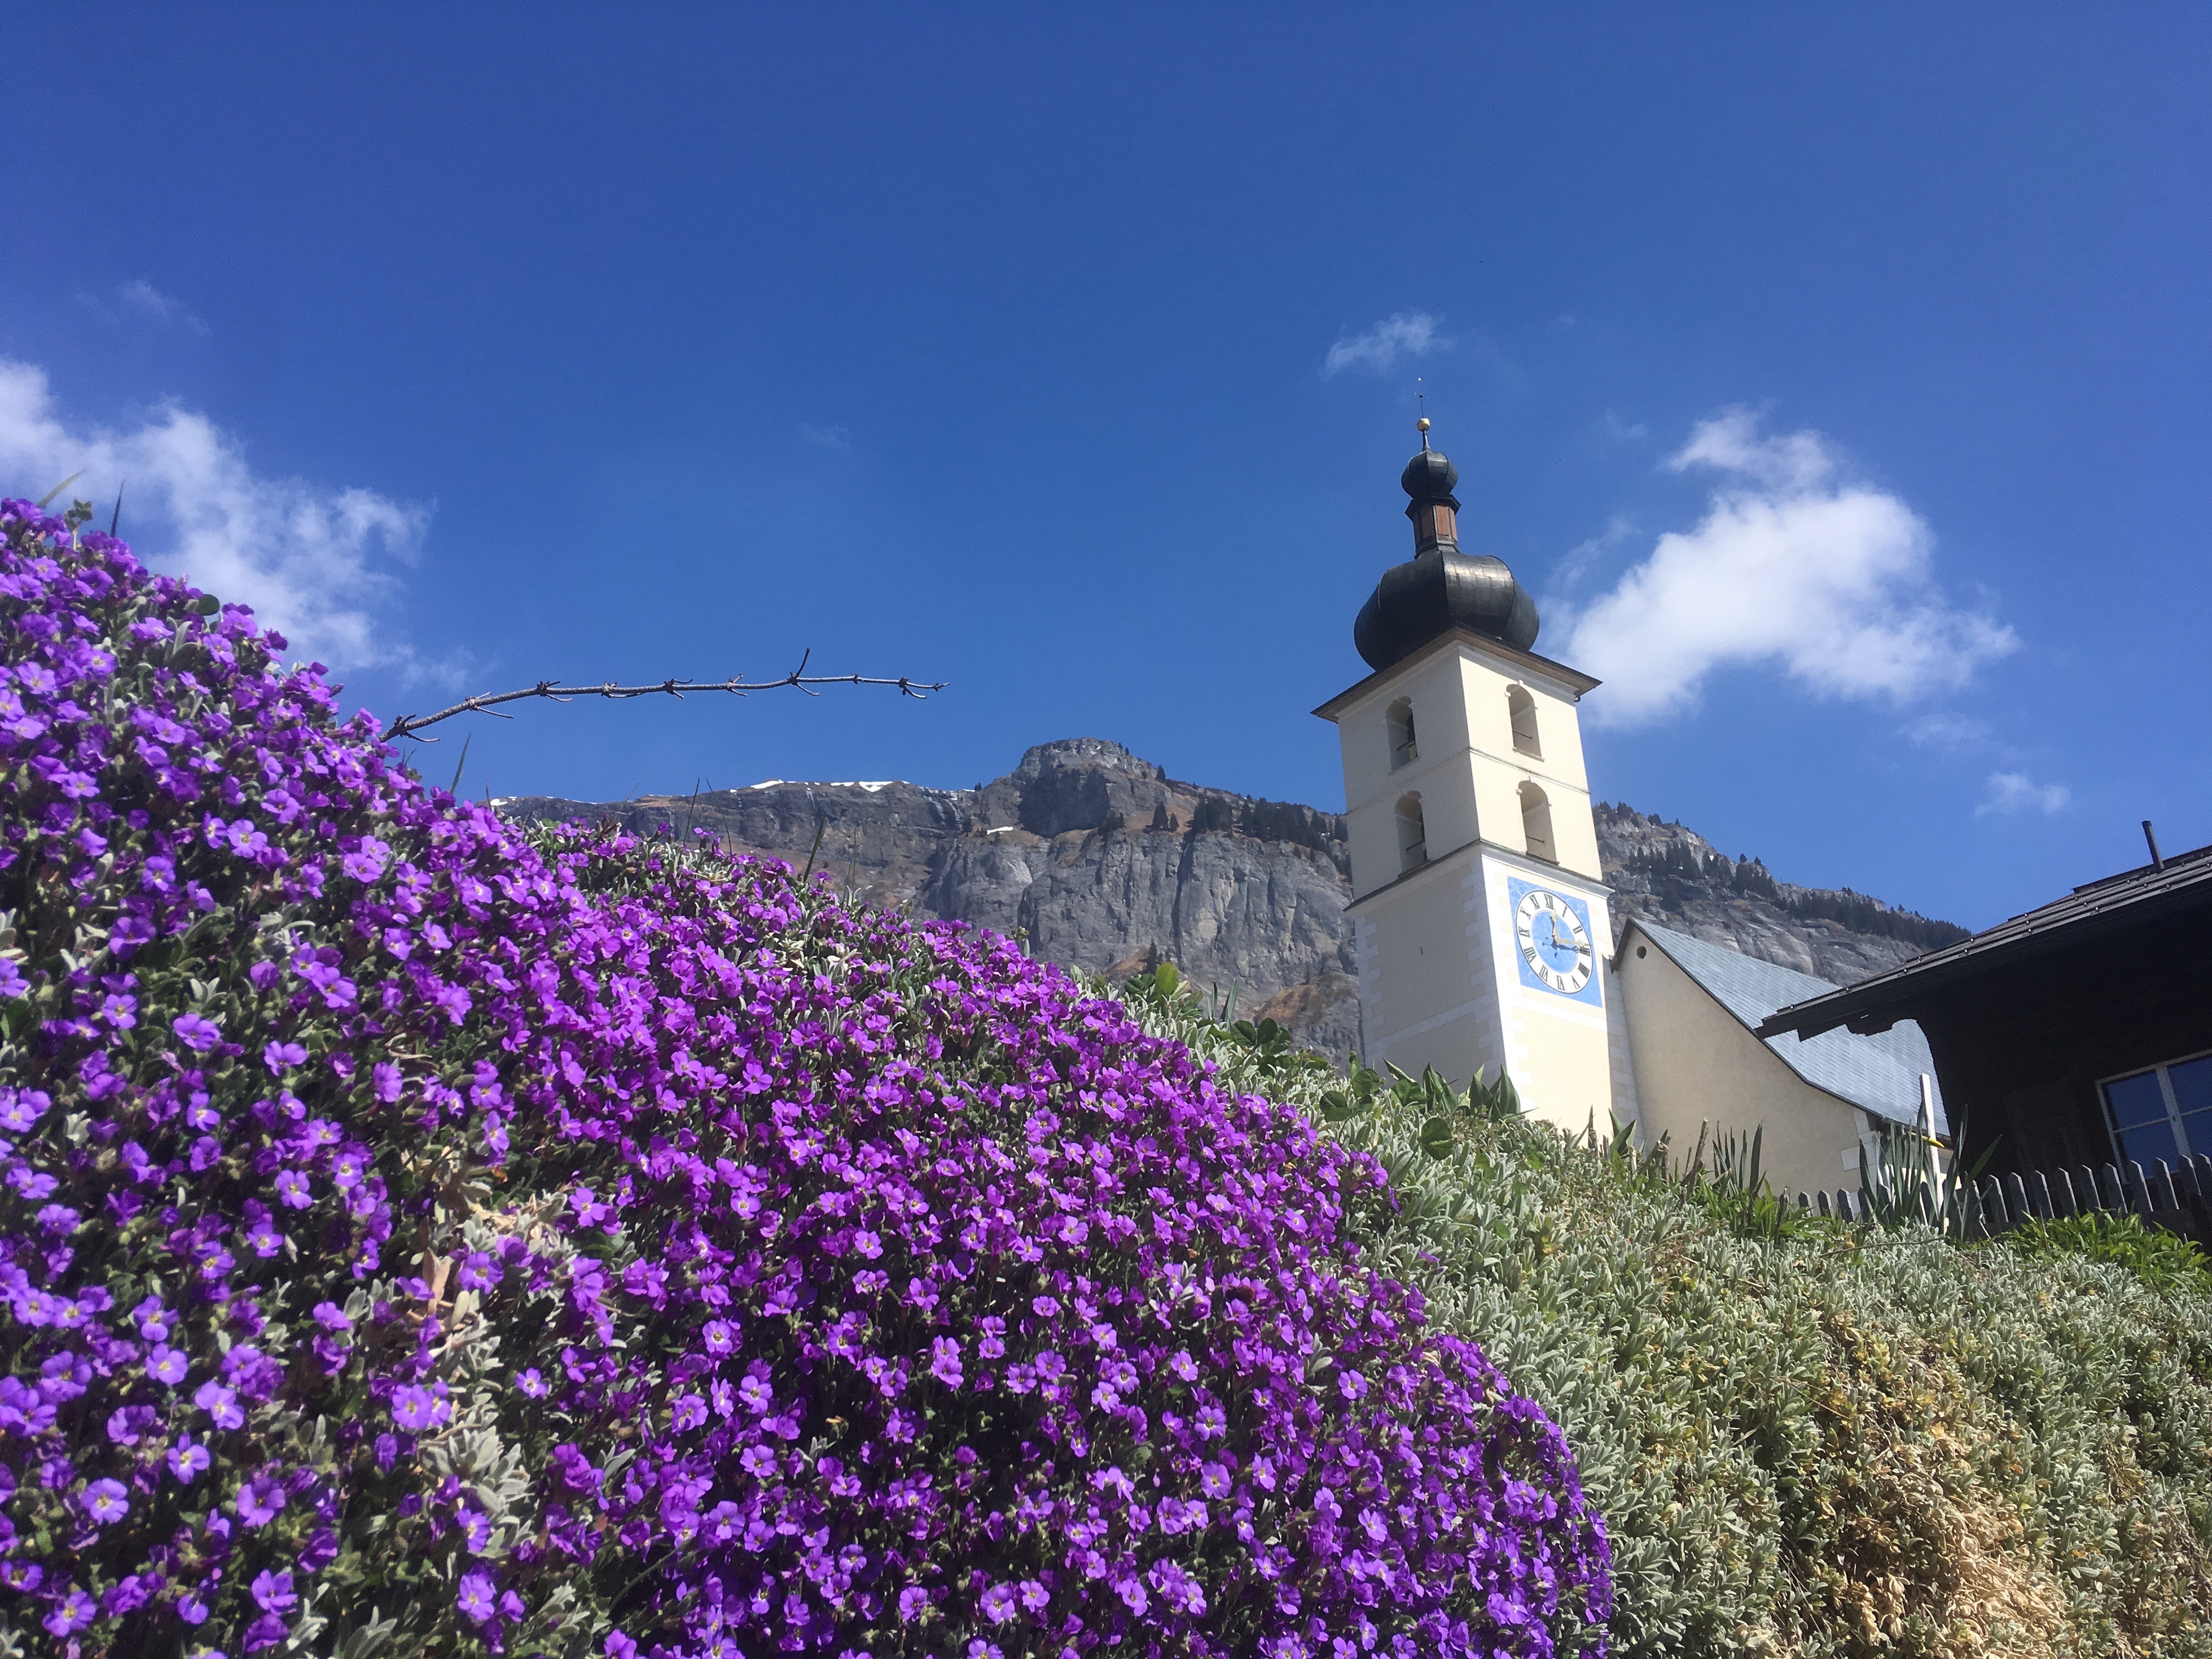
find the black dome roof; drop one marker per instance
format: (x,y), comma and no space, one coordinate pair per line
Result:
(1429,475)
(1436,591)
(1440,588)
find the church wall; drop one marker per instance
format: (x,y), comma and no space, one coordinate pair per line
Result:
(1426,999)
(1372,786)
(1559,1053)
(1696,1061)
(1500,768)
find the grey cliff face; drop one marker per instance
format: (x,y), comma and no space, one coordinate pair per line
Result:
(1665,873)
(1098,861)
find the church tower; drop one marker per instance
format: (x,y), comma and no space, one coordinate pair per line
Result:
(1483,929)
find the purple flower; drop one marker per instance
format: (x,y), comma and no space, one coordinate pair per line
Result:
(944,1361)
(72,1613)
(104,1501)
(764,1095)
(259,1499)
(416,1408)
(368,863)
(127,1423)
(196,1034)
(477,1599)
(220,1403)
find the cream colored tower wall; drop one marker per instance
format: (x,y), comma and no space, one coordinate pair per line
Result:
(1440,976)
(1373,786)
(1426,999)
(1696,1062)
(1500,768)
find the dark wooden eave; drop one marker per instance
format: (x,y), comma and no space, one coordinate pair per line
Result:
(2089,914)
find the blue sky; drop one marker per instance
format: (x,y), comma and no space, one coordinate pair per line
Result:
(1836,378)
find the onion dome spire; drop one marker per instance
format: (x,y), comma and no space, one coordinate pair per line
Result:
(1440,588)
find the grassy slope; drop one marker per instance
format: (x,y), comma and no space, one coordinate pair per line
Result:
(1839,1443)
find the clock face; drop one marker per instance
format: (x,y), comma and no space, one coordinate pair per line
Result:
(1554,941)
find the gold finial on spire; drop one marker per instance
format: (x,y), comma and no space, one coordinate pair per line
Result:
(1422,425)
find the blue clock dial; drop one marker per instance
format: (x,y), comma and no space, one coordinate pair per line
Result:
(1554,941)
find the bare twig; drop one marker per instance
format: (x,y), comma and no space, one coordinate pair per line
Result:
(408,725)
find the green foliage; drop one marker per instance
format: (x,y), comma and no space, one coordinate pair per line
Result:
(1909,1183)
(1738,1194)
(1806,1436)
(2168,1264)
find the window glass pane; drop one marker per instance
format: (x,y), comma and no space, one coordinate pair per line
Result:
(2136,1100)
(2197,1131)
(2150,1143)
(2192,1086)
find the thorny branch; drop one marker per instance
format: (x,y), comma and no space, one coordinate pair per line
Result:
(408,725)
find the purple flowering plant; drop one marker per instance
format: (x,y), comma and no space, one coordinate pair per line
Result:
(420,1234)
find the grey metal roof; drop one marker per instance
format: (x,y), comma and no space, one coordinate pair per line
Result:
(1879,1074)
(2133,899)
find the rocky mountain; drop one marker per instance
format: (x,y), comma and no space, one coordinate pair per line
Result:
(1664,873)
(1098,860)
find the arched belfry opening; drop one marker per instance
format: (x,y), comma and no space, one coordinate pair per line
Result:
(1398,718)
(1536,824)
(1522,707)
(1412,833)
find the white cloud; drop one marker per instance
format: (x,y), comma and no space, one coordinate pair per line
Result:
(1582,557)
(301,555)
(1945,730)
(1793,565)
(827,437)
(1409,334)
(2015,791)
(142,297)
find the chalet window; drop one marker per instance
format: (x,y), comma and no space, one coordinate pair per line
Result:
(1536,824)
(1522,707)
(1412,833)
(2164,1113)
(1400,719)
